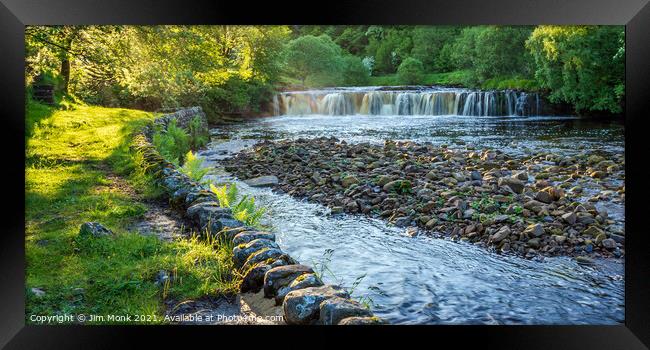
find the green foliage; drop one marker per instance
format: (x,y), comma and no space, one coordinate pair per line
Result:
(355,73)
(237,69)
(199,136)
(243,210)
(172,142)
(192,167)
(581,65)
(410,71)
(316,58)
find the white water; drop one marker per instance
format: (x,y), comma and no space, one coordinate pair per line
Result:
(412,101)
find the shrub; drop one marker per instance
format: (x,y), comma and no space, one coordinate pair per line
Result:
(411,71)
(192,167)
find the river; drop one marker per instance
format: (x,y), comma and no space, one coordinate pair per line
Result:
(423,280)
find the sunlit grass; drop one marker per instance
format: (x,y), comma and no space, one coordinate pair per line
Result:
(79,168)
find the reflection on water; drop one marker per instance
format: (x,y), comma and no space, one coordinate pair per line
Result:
(436,281)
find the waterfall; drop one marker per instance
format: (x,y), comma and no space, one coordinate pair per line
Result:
(424,101)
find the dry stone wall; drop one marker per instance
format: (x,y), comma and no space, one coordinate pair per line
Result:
(304,297)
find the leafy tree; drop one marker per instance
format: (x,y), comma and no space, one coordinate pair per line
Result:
(313,56)
(581,65)
(410,71)
(428,43)
(354,71)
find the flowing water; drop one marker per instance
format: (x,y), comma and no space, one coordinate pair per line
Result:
(426,280)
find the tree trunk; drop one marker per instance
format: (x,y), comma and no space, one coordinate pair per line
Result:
(65,73)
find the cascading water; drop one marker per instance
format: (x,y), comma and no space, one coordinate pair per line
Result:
(425,101)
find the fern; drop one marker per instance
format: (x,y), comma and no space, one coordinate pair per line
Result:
(243,210)
(192,167)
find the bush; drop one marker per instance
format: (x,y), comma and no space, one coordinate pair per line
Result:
(172,143)
(411,71)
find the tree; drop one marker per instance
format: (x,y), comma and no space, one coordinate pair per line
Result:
(313,56)
(354,71)
(410,71)
(581,65)
(428,43)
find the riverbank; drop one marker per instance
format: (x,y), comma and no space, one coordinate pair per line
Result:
(529,205)
(79,168)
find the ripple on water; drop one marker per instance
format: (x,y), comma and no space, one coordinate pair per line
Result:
(426,280)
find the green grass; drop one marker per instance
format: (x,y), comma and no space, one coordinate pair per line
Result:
(79,168)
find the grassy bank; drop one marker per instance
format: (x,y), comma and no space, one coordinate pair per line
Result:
(79,168)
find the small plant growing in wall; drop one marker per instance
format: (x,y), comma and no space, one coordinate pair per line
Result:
(243,210)
(192,167)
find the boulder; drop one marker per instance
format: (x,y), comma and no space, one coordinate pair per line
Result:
(534,230)
(569,218)
(247,236)
(302,281)
(253,279)
(592,231)
(516,185)
(335,309)
(609,243)
(500,235)
(267,254)
(243,251)
(544,197)
(94,229)
(302,306)
(263,181)
(349,181)
(282,276)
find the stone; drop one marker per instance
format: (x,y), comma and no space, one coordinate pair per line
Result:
(247,236)
(383,179)
(544,197)
(282,276)
(533,242)
(609,243)
(516,185)
(263,181)
(253,279)
(349,181)
(267,254)
(429,225)
(569,218)
(534,230)
(592,231)
(243,251)
(500,235)
(475,175)
(361,321)
(335,309)
(302,281)
(521,175)
(201,212)
(583,260)
(94,229)
(302,306)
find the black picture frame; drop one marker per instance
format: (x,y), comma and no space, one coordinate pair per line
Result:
(635,15)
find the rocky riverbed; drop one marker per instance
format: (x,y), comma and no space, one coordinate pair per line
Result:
(528,204)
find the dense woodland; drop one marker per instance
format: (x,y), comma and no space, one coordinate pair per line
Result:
(237,69)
